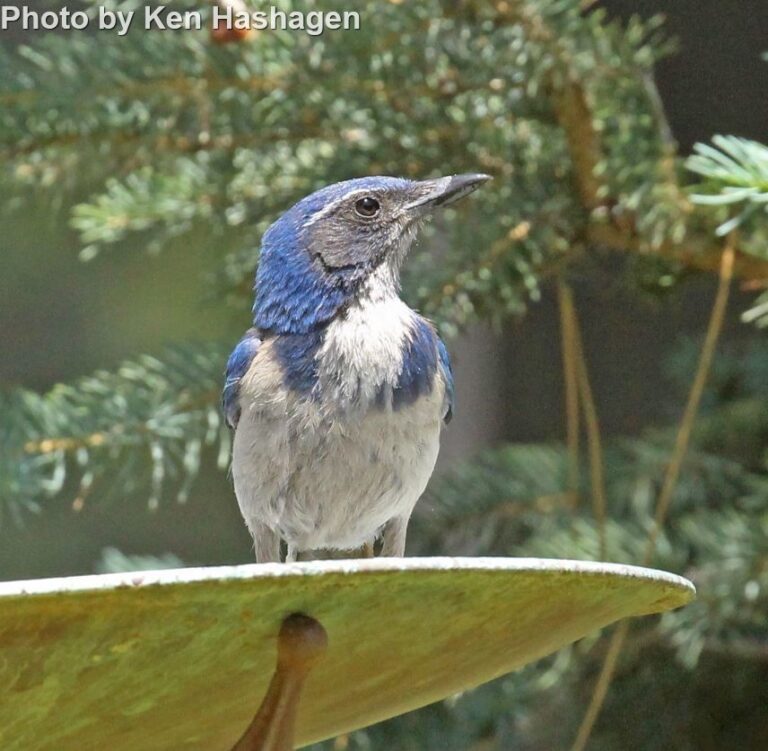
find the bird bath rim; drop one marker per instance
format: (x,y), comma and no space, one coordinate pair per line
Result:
(163,577)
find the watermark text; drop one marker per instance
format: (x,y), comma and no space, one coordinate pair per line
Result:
(162,18)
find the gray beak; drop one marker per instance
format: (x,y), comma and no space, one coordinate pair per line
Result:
(444,191)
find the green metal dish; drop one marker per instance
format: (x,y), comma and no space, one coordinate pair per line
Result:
(179,660)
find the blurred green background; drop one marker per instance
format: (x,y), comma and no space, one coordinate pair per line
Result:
(697,680)
(62,319)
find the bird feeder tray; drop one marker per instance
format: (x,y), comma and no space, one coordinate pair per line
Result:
(179,659)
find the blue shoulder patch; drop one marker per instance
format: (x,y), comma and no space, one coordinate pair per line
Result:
(417,375)
(447,371)
(296,356)
(237,366)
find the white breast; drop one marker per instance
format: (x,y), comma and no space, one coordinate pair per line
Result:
(333,483)
(323,479)
(363,351)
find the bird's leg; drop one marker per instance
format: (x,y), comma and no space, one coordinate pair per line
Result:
(367,550)
(266,544)
(292,554)
(393,537)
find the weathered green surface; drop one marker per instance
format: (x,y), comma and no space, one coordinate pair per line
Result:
(178,660)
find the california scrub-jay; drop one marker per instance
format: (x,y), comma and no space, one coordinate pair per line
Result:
(338,393)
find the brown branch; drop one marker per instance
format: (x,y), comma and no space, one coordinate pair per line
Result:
(699,251)
(575,118)
(669,484)
(574,115)
(594,440)
(571,387)
(694,399)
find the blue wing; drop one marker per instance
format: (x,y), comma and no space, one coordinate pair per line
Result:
(237,366)
(447,371)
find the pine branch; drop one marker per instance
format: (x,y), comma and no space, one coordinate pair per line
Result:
(139,429)
(147,199)
(736,176)
(735,189)
(556,79)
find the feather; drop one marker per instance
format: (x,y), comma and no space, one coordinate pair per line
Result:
(237,366)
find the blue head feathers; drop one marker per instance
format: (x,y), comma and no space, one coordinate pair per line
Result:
(317,256)
(297,288)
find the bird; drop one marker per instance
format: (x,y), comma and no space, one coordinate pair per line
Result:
(337,394)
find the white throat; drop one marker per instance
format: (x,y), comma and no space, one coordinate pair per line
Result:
(362,353)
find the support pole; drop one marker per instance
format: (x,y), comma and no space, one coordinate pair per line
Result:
(301,643)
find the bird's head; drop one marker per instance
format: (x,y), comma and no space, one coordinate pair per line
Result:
(346,240)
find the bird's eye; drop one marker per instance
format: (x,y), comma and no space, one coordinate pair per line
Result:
(367,206)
